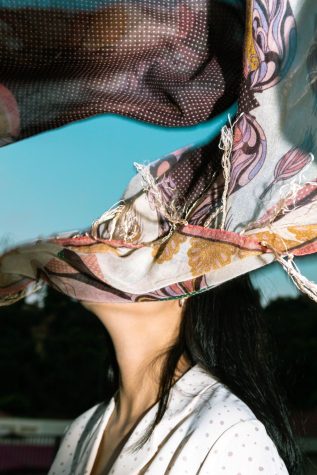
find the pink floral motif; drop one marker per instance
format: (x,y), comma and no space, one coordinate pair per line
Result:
(288,166)
(249,152)
(274,40)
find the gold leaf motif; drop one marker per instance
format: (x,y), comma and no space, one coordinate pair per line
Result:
(165,251)
(204,255)
(304,233)
(279,243)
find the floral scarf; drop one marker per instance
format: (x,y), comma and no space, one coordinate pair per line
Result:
(201,215)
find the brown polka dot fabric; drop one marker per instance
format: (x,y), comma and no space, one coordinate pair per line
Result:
(159,62)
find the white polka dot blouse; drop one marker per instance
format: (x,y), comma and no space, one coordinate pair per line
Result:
(205,430)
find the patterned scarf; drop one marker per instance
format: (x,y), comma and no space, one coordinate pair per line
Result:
(201,215)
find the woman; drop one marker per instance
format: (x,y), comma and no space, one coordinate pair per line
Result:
(193,391)
(181,227)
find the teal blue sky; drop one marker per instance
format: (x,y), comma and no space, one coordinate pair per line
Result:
(63,179)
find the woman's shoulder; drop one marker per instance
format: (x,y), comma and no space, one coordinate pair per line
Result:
(216,401)
(220,409)
(243,446)
(222,403)
(236,438)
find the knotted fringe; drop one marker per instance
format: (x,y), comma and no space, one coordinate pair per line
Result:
(112,214)
(225,144)
(169,210)
(129,227)
(302,283)
(286,259)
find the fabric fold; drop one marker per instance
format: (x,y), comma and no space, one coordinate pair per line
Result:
(200,215)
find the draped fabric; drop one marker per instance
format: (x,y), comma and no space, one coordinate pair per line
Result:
(198,216)
(159,62)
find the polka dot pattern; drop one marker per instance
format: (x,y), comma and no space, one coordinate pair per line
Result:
(252,456)
(159,62)
(205,430)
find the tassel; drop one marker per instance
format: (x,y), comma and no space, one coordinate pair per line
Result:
(112,214)
(302,283)
(170,211)
(131,227)
(225,144)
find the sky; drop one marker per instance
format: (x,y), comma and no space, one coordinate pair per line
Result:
(63,179)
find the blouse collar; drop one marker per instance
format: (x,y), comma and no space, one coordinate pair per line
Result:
(184,396)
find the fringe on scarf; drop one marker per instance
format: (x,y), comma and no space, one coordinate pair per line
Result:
(225,144)
(174,214)
(111,214)
(170,211)
(287,261)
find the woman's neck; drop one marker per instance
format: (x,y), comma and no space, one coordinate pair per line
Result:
(140,333)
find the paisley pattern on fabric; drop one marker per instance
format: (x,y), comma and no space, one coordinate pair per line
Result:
(294,161)
(304,233)
(198,216)
(204,256)
(270,49)
(274,43)
(248,152)
(166,251)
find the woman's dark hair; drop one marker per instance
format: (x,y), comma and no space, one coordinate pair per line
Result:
(224,330)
